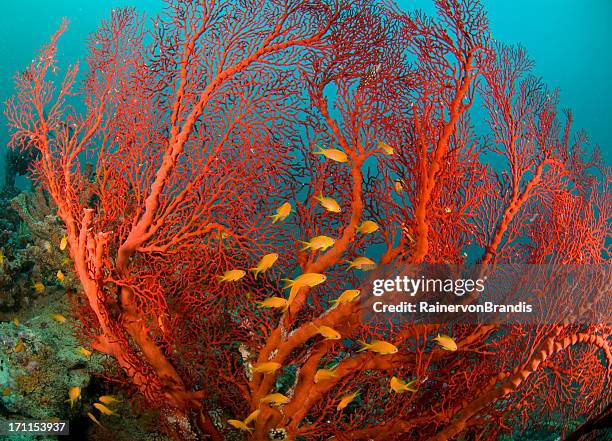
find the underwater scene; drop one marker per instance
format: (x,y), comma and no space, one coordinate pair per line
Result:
(306,220)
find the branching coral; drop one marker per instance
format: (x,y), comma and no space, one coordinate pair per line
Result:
(228,111)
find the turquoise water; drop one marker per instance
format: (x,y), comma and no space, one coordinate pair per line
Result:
(570,41)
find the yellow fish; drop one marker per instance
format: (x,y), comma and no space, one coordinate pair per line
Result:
(282,212)
(275,399)
(362,263)
(16,322)
(85,352)
(74,394)
(240,425)
(252,416)
(1,257)
(265,264)
(398,385)
(306,279)
(324,374)
(447,210)
(378,346)
(103,409)
(94,419)
(232,276)
(273,302)
(346,297)
(367,227)
(329,204)
(19,346)
(58,318)
(346,400)
(333,154)
(386,148)
(63,243)
(60,276)
(446,343)
(318,243)
(399,187)
(108,399)
(328,333)
(39,287)
(267,367)
(244,425)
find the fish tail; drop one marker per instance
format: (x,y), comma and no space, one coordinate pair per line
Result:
(255,270)
(364,346)
(275,218)
(288,283)
(221,278)
(320,152)
(305,245)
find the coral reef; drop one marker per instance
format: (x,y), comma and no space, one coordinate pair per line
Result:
(344,123)
(31,255)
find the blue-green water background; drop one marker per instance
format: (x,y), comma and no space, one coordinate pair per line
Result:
(570,41)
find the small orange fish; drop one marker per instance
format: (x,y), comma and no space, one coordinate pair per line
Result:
(39,287)
(333,154)
(103,409)
(446,343)
(267,367)
(398,385)
(318,243)
(60,276)
(389,151)
(265,264)
(328,333)
(94,419)
(85,352)
(275,399)
(16,322)
(306,279)
(19,347)
(58,318)
(324,374)
(346,297)
(273,302)
(362,263)
(63,243)
(328,203)
(232,276)
(399,187)
(252,416)
(74,394)
(6,392)
(282,213)
(108,399)
(367,227)
(378,346)
(346,400)
(240,425)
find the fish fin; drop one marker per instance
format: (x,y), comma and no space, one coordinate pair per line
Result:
(320,152)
